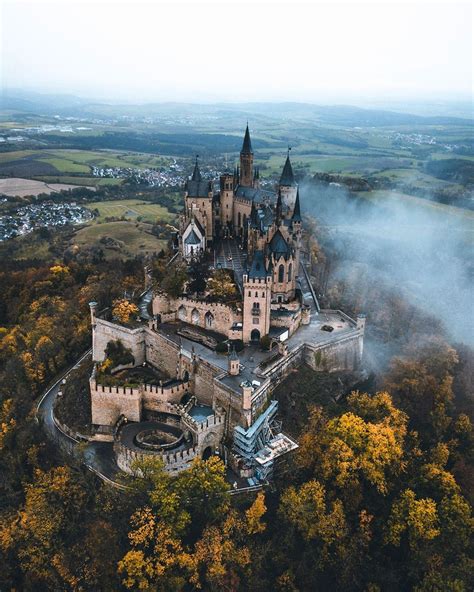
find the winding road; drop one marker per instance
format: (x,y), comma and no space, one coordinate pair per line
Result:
(97,456)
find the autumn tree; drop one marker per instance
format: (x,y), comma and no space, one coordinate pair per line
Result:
(221,285)
(123,310)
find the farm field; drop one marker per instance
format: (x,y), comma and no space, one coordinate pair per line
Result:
(15,187)
(40,163)
(119,239)
(131,209)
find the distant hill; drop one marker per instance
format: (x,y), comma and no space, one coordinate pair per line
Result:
(342,115)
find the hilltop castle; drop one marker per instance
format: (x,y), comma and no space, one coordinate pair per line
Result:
(266,226)
(222,402)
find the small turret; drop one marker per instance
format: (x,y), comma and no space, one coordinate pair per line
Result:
(296,217)
(233,363)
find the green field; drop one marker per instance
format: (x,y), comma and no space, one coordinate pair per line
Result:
(131,209)
(119,239)
(45,164)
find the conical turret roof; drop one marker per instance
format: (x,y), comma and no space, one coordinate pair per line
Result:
(196,172)
(247,145)
(287,178)
(296,217)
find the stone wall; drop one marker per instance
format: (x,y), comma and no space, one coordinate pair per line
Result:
(105,331)
(208,315)
(203,382)
(173,462)
(161,352)
(345,354)
(206,433)
(110,402)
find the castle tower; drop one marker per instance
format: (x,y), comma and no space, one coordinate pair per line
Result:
(257,292)
(233,363)
(227,202)
(288,185)
(198,195)
(246,161)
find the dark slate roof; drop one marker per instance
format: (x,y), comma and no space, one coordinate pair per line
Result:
(255,194)
(192,238)
(287,177)
(278,245)
(247,145)
(257,269)
(198,188)
(199,226)
(196,172)
(296,210)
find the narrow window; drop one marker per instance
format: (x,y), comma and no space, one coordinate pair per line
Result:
(281,273)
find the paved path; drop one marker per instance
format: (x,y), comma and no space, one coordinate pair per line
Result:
(229,256)
(97,456)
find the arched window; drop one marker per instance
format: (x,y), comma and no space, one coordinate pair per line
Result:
(209,318)
(195,317)
(182,313)
(281,273)
(239,219)
(290,271)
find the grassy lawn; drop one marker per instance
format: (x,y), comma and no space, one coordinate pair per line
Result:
(128,239)
(131,209)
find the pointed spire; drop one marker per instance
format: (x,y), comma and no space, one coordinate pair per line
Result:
(254,220)
(296,210)
(196,172)
(247,145)
(279,209)
(287,178)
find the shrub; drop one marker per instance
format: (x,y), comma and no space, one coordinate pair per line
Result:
(222,347)
(237,344)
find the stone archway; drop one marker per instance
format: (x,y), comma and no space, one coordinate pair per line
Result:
(195,317)
(182,313)
(207,453)
(209,318)
(255,335)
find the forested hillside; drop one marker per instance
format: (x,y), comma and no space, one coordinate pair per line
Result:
(378,496)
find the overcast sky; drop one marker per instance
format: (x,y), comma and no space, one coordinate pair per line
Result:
(259,50)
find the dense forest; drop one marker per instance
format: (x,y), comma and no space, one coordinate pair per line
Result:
(377,498)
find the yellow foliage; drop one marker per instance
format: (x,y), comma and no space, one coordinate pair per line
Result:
(221,285)
(123,309)
(7,422)
(417,518)
(59,269)
(307,510)
(254,514)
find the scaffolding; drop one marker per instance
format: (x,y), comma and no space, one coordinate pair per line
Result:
(262,443)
